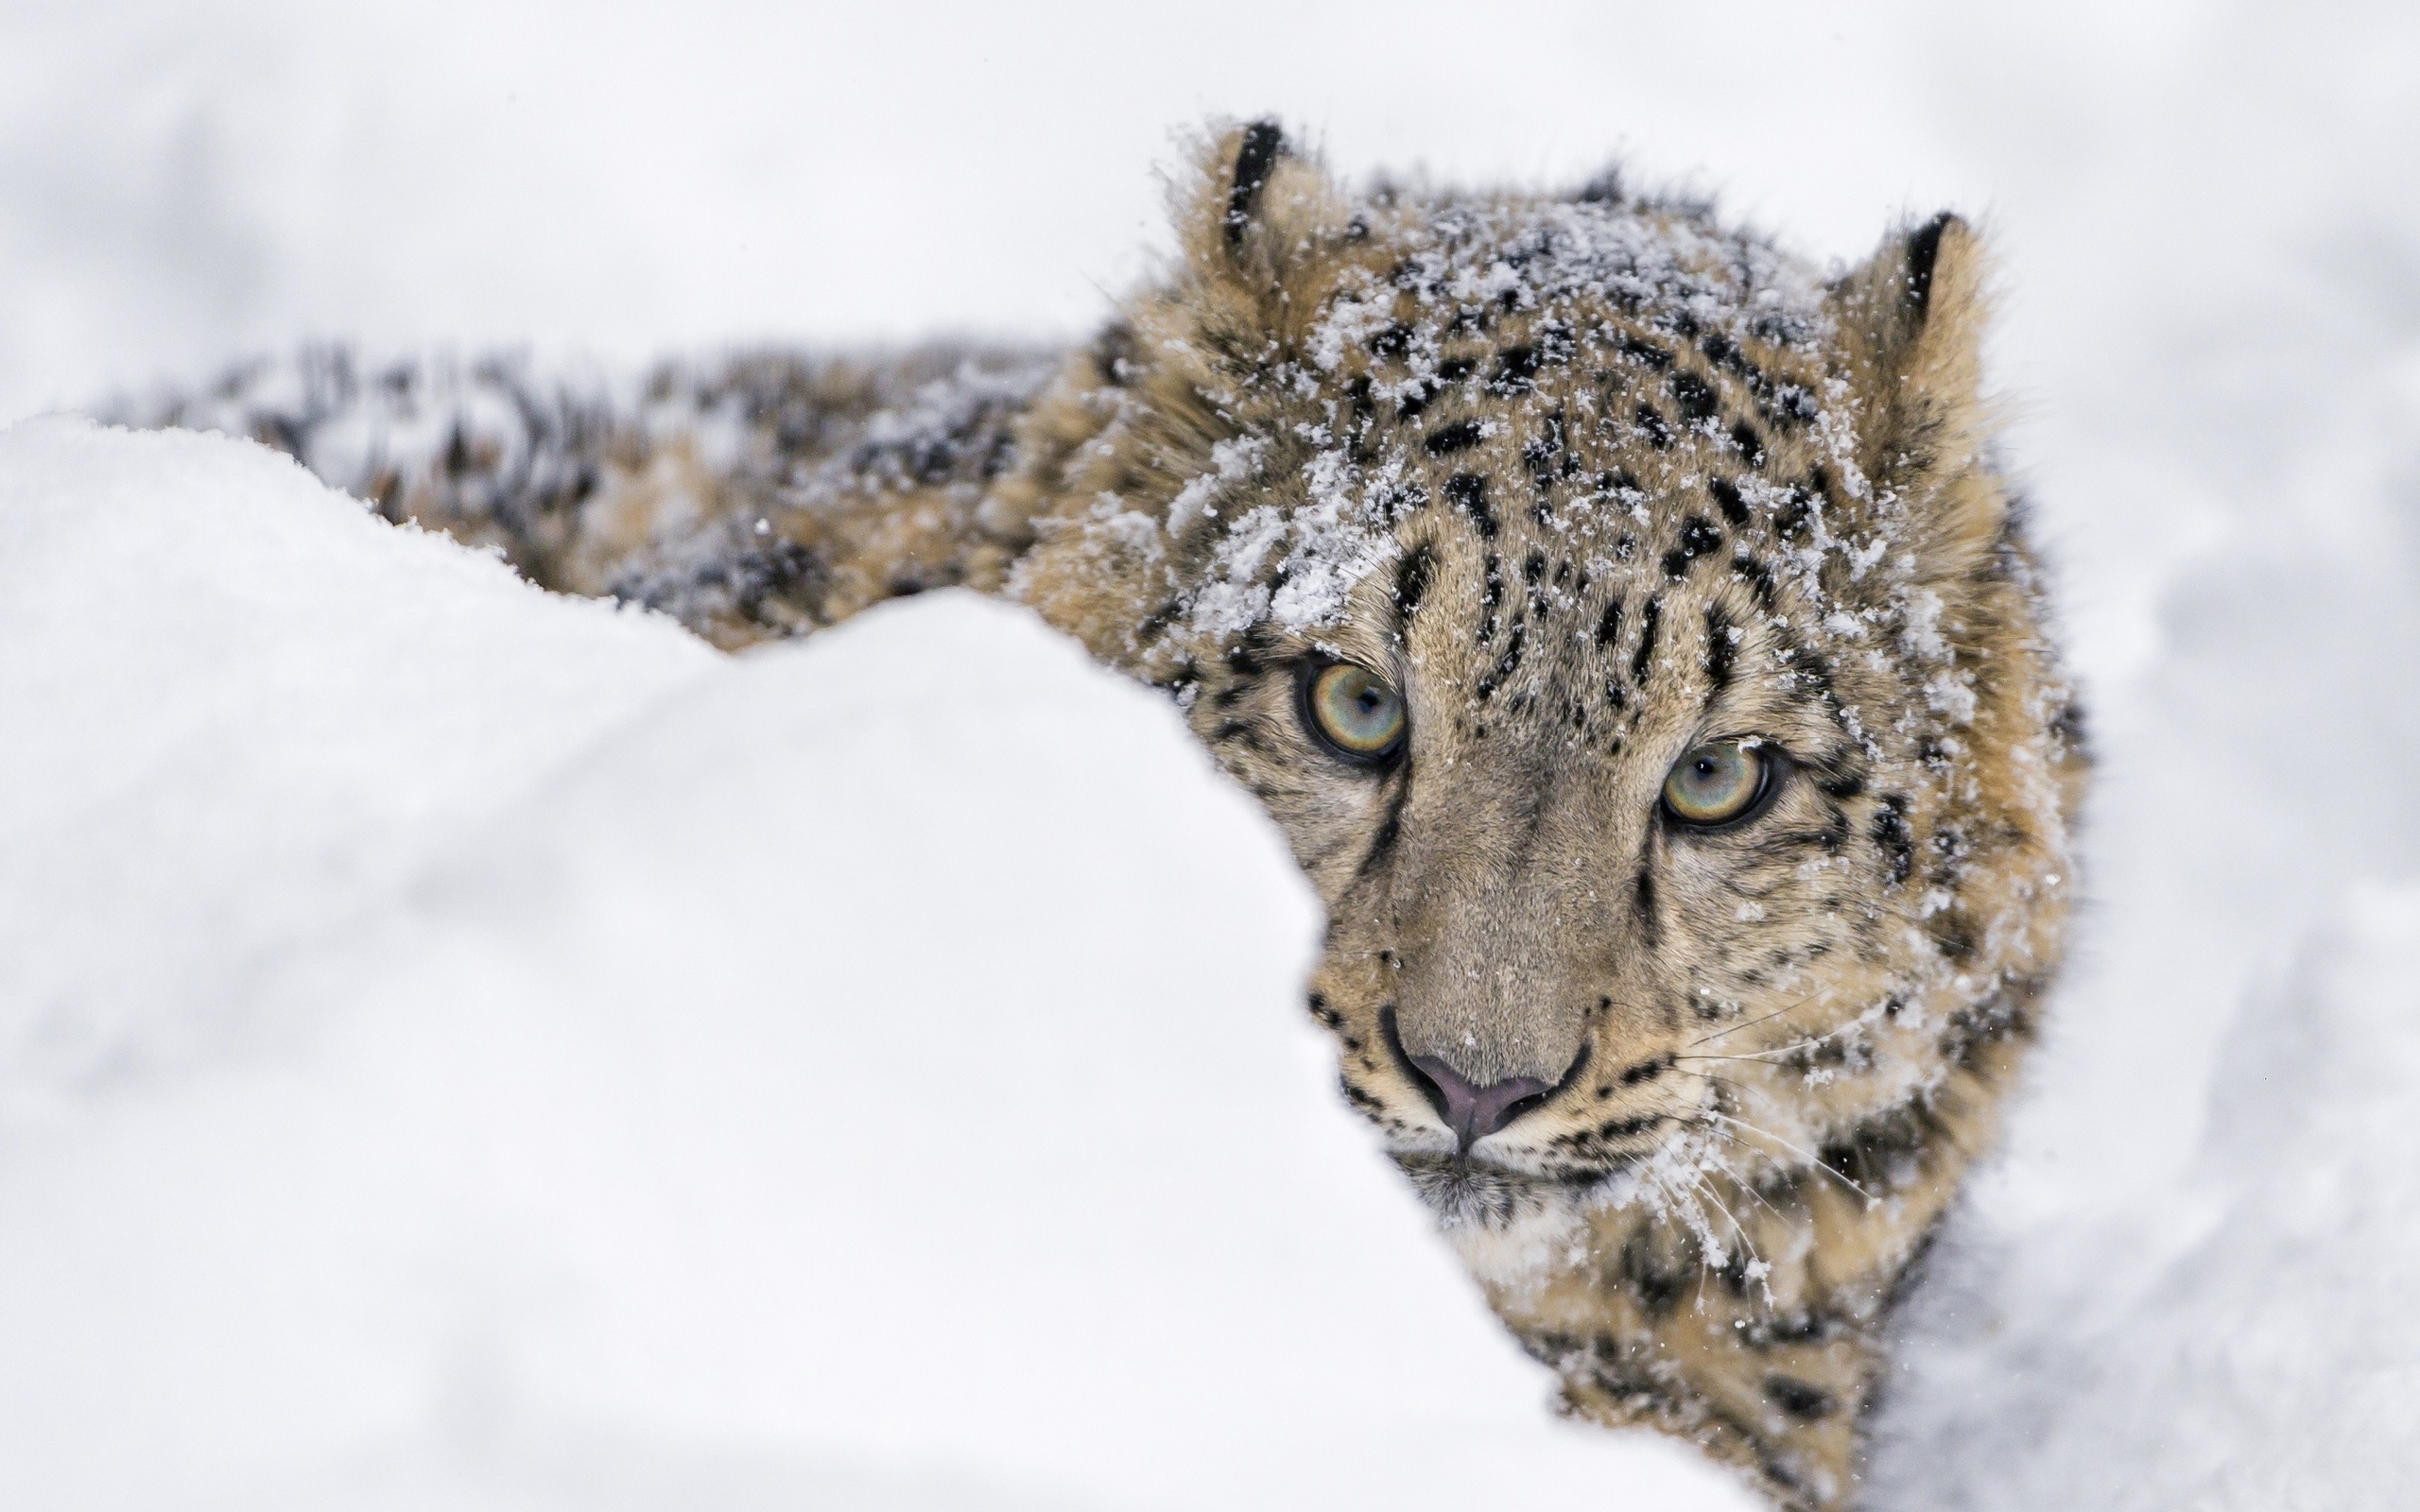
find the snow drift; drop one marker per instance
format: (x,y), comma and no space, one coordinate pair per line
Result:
(471,1048)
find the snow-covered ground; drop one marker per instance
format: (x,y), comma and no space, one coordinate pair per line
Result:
(427,1074)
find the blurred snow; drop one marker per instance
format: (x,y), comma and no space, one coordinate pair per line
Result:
(2181,1287)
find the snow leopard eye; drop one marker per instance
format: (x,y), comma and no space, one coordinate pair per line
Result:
(1717,783)
(1353,712)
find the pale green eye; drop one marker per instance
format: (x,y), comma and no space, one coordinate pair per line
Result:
(1352,709)
(1716,783)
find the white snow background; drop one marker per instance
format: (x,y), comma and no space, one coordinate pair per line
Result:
(464,1049)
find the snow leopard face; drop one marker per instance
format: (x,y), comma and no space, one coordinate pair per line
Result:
(1627,630)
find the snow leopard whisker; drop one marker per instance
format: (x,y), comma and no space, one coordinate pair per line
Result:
(1749,1187)
(1753,1022)
(1815,1160)
(1762,1272)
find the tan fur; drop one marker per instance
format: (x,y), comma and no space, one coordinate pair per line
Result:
(1652,482)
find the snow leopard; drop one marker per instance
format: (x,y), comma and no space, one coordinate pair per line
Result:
(1628,623)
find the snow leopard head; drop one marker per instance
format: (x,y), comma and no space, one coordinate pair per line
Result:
(1626,624)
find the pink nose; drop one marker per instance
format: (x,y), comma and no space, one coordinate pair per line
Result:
(1475,1112)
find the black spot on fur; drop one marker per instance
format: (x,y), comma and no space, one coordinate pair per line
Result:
(1788,845)
(1695,397)
(1643,902)
(1644,658)
(1516,370)
(1725,353)
(1924,250)
(1364,420)
(1797,512)
(1807,1327)
(1114,354)
(1698,539)
(784,574)
(1539,454)
(1835,780)
(1459,436)
(1604,189)
(1469,490)
(1365,1102)
(1720,650)
(2069,726)
(1646,1071)
(1759,580)
(1658,1285)
(1412,577)
(1892,838)
(1510,660)
(1398,503)
(1645,351)
(1789,407)
(1390,342)
(1621,1128)
(1262,146)
(1751,445)
(1883,1150)
(1652,424)
(1382,845)
(1952,936)
(1806,1402)
(1727,499)
(1609,624)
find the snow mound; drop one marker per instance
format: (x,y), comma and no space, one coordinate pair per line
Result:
(239,709)
(466,1048)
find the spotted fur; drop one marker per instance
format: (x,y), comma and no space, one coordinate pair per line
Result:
(1592,480)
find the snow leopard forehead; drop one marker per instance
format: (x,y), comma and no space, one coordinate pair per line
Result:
(1597,388)
(1593,392)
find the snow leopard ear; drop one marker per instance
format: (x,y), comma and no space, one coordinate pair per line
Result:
(1258,148)
(1261,220)
(1911,322)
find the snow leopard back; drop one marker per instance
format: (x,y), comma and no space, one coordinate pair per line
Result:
(753,495)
